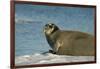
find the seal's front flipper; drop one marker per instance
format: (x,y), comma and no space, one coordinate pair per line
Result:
(51,51)
(57,46)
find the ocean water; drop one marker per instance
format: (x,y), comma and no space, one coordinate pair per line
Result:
(29,39)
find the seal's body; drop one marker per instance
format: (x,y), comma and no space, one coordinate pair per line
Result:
(69,42)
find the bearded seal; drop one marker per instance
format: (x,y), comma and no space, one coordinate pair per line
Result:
(73,43)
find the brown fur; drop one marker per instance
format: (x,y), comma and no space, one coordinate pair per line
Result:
(71,43)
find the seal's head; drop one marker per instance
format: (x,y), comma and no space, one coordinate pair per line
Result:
(50,28)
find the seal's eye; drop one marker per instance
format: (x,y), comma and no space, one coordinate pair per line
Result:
(50,26)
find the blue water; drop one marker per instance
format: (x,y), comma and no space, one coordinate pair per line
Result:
(30,20)
(30,39)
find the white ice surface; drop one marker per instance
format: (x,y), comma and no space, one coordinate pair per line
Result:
(50,58)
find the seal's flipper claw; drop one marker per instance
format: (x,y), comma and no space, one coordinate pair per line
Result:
(51,51)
